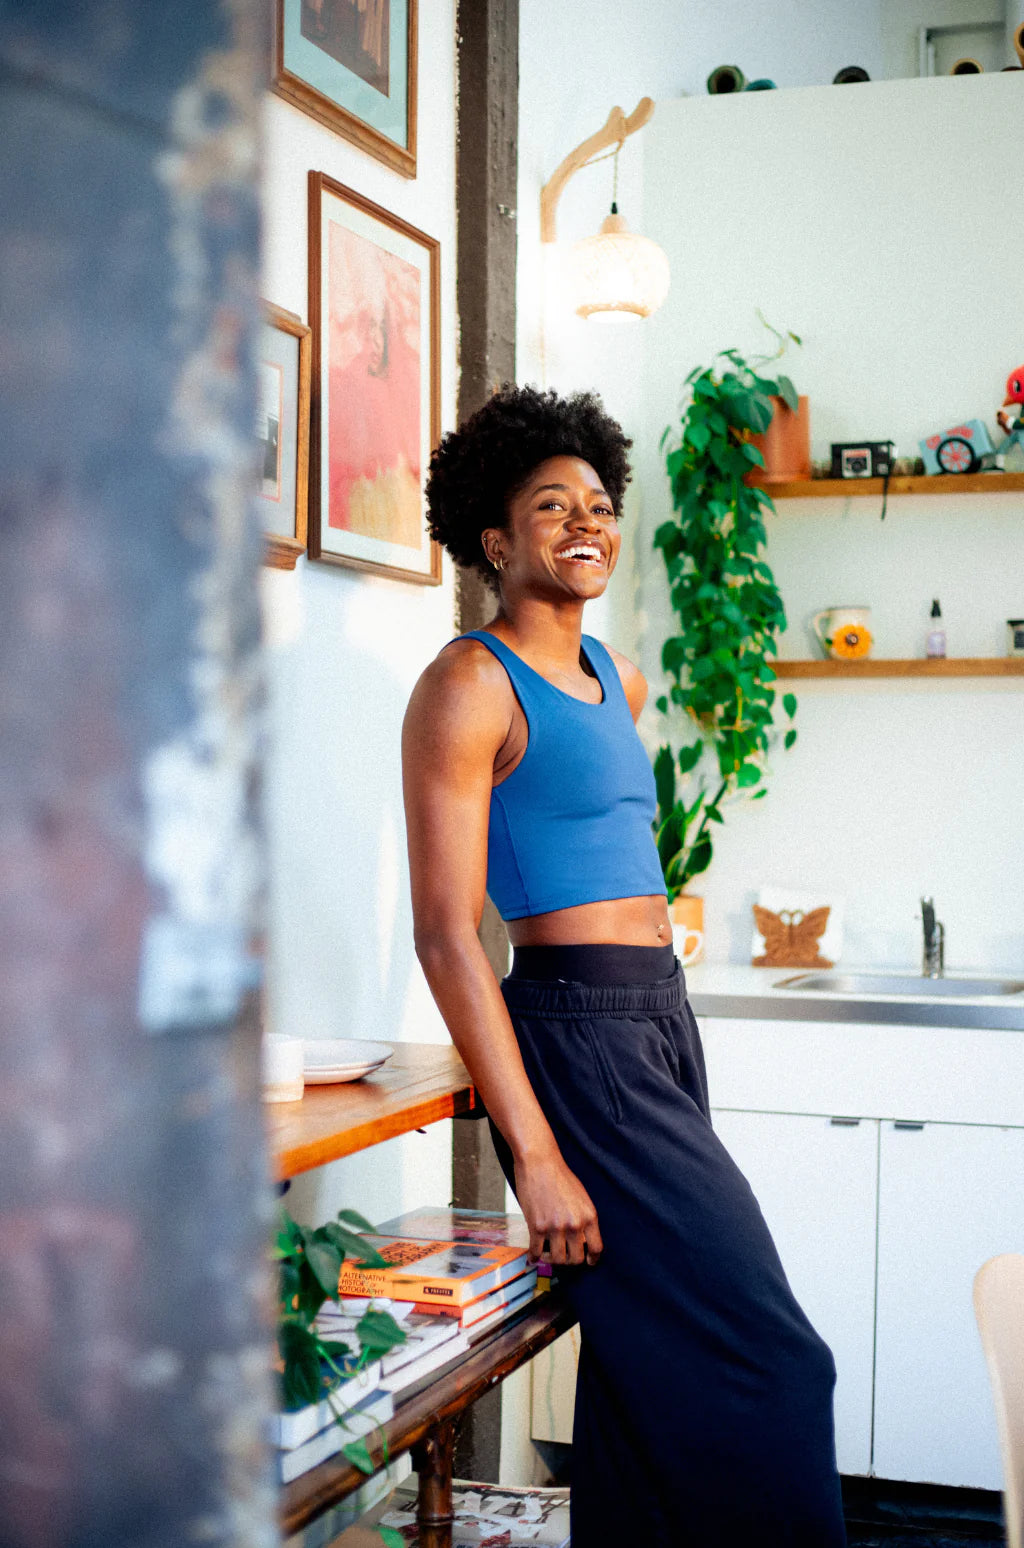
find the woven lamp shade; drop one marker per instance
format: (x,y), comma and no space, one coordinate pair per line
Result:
(617,274)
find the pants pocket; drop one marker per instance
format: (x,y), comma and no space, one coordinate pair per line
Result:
(603,1071)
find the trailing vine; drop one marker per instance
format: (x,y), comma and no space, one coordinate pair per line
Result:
(728,607)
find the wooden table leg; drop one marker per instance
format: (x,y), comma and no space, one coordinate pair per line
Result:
(432,1459)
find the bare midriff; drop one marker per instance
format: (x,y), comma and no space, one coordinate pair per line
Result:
(617,922)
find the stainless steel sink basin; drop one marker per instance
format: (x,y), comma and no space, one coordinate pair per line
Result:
(901,983)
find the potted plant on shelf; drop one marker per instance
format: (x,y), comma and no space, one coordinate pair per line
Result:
(728,608)
(313,1369)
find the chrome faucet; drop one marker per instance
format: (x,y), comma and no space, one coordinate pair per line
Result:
(934,960)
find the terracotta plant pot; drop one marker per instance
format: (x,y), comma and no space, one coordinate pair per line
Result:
(687,914)
(785,445)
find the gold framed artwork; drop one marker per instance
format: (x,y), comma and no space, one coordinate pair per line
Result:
(282,434)
(351,64)
(374,310)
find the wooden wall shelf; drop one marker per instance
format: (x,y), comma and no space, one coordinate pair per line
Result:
(946,666)
(905,484)
(281,553)
(421,1083)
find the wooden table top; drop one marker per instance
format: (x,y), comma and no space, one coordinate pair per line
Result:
(420,1084)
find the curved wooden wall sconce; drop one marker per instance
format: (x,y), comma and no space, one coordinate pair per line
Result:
(615,131)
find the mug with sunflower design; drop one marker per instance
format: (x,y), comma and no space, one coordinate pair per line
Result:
(844,632)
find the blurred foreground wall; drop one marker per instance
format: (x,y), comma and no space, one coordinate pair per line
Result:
(133,1297)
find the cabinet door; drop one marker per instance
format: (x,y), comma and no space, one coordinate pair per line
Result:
(815,1180)
(950,1196)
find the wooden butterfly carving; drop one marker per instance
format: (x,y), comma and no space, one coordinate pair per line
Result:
(791,937)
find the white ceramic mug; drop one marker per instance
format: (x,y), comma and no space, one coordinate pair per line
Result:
(688,953)
(283,1079)
(836,619)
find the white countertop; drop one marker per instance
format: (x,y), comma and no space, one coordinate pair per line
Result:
(738,990)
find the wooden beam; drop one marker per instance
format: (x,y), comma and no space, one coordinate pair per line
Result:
(487,170)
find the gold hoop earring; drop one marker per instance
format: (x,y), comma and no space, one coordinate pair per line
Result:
(499,563)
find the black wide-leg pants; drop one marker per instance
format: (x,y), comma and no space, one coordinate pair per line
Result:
(704,1401)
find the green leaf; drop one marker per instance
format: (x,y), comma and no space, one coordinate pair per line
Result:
(290,1282)
(790,738)
(753,454)
(301,1378)
(698,435)
(390,1538)
(794,336)
(378,1332)
(758,794)
(788,393)
(700,858)
(789,704)
(352,1217)
(661,703)
(748,774)
(759,410)
(358,1453)
(714,815)
(351,1245)
(689,757)
(325,1260)
(665,780)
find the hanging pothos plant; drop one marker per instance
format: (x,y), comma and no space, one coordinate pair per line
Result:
(312,1368)
(728,607)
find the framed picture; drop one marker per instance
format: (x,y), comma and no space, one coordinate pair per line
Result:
(282,434)
(374,294)
(352,65)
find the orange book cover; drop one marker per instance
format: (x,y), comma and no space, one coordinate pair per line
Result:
(437,1273)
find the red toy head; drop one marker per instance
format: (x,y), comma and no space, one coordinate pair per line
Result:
(1014,387)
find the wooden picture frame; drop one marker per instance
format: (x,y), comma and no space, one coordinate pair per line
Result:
(363,87)
(374,311)
(282,428)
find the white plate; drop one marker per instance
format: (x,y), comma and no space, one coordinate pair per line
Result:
(327,1077)
(338,1056)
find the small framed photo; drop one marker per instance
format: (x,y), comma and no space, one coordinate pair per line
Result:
(282,434)
(351,64)
(374,295)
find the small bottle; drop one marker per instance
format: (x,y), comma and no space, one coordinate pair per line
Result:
(935,645)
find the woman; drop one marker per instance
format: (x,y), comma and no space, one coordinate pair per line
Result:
(704,1403)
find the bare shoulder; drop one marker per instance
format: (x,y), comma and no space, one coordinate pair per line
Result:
(463,696)
(634,683)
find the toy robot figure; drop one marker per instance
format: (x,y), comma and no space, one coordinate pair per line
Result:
(1011,421)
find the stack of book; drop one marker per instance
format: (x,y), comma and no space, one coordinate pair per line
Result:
(467,1265)
(305,1437)
(451,1276)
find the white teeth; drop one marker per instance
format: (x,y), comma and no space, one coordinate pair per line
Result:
(581,551)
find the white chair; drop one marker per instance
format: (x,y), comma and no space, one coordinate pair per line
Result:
(999,1309)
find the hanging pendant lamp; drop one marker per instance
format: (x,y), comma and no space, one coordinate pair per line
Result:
(615,275)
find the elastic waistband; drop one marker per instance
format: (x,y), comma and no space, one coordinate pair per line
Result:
(597,965)
(566,1001)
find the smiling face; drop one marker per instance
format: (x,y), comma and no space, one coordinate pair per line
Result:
(562,537)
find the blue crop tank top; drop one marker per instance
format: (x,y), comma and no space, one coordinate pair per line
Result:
(572,823)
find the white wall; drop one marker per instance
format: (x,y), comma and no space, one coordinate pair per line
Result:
(830,213)
(341,961)
(660,49)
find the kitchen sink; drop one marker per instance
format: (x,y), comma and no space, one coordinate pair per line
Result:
(901,983)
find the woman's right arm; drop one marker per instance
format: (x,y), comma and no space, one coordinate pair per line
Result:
(457,721)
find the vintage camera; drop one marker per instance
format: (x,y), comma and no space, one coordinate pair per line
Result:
(862,459)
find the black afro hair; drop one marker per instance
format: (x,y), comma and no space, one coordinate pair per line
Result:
(477,468)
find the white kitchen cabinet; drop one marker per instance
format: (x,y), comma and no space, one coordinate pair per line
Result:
(816,1182)
(950,1196)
